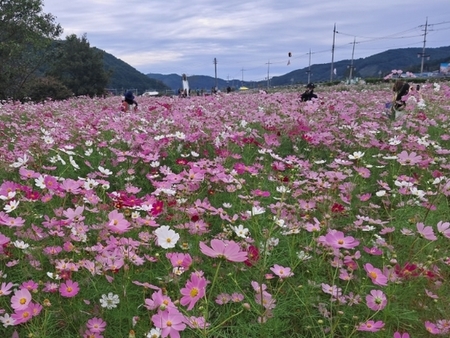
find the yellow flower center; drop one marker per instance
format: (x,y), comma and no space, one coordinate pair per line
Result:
(194,292)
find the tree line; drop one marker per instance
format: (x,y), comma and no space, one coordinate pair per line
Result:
(35,64)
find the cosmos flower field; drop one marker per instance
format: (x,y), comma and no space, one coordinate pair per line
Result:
(241,215)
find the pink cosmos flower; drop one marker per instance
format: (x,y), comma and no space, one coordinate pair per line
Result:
(117,222)
(171,322)
(373,251)
(223,298)
(5,289)
(229,250)
(370,326)
(375,274)
(197,322)
(444,228)
(21,299)
(376,301)
(281,272)
(178,259)
(34,308)
(96,325)
(21,316)
(193,291)
(401,335)
(408,159)
(69,289)
(432,328)
(90,334)
(426,231)
(337,240)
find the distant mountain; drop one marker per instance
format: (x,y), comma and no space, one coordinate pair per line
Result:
(124,76)
(375,66)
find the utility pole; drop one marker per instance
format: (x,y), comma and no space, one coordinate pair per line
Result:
(309,67)
(268,76)
(242,82)
(351,63)
(215,71)
(423,55)
(332,54)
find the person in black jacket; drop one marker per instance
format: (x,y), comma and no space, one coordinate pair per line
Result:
(309,93)
(128,101)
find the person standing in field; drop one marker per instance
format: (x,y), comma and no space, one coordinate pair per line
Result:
(128,101)
(309,93)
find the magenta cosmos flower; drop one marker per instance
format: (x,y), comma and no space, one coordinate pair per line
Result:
(376,301)
(193,291)
(376,275)
(370,326)
(401,335)
(229,250)
(171,322)
(69,289)
(337,240)
(96,325)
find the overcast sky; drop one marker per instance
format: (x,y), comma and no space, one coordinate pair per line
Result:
(250,39)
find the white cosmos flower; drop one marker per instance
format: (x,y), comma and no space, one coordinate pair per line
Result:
(356,155)
(53,275)
(166,237)
(40,182)
(20,162)
(240,231)
(48,139)
(11,206)
(73,163)
(394,141)
(109,301)
(256,210)
(105,171)
(380,193)
(282,189)
(11,195)
(21,244)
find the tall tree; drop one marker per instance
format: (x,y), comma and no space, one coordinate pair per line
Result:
(26,34)
(80,67)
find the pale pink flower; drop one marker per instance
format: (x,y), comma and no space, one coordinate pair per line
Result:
(401,335)
(375,274)
(408,159)
(432,328)
(281,271)
(117,222)
(426,231)
(21,299)
(444,228)
(337,240)
(96,325)
(376,301)
(229,250)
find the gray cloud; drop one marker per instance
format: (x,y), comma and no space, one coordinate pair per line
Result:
(248,38)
